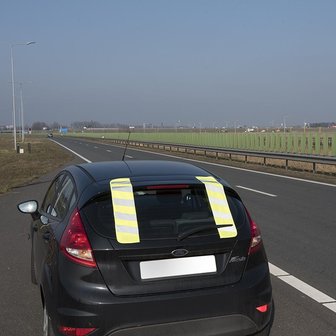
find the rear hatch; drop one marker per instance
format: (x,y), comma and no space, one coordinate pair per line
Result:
(180,247)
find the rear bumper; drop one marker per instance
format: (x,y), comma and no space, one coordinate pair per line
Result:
(215,326)
(222,311)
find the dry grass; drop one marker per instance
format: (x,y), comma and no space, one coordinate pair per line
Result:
(19,169)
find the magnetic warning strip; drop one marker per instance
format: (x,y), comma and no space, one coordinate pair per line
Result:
(125,218)
(219,206)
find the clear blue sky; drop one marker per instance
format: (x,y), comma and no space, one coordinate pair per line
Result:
(196,61)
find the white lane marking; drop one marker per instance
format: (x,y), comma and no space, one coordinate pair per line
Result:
(95,147)
(235,168)
(107,150)
(296,283)
(318,296)
(306,289)
(331,306)
(257,191)
(276,271)
(129,156)
(70,150)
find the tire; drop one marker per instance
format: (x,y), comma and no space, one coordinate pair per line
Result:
(47,328)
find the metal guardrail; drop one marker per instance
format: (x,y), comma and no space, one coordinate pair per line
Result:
(217,152)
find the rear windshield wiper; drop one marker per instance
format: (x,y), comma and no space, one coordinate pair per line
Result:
(190,232)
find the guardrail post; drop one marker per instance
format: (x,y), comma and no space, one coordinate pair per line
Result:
(29,147)
(314,167)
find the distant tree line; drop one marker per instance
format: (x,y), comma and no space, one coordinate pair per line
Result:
(79,125)
(76,125)
(82,125)
(323,124)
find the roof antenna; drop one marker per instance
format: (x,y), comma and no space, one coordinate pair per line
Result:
(127,142)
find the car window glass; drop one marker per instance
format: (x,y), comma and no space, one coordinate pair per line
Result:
(48,203)
(163,213)
(64,198)
(72,200)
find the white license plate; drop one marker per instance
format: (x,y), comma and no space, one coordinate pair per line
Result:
(164,268)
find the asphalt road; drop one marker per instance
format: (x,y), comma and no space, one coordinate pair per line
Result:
(298,223)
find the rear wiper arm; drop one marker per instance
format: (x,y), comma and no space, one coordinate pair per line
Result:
(190,232)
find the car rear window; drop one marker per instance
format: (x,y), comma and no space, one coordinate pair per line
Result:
(163,211)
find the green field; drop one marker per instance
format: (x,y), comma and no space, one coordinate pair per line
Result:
(312,143)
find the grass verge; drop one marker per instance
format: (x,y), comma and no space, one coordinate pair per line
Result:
(19,169)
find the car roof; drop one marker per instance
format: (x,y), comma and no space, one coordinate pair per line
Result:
(99,171)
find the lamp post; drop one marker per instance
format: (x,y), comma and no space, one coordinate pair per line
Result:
(284,123)
(22,121)
(13,85)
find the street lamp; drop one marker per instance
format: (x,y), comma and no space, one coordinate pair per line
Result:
(284,123)
(13,85)
(22,121)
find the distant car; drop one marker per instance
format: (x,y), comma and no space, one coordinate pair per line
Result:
(50,135)
(147,248)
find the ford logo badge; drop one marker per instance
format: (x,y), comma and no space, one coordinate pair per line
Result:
(179,252)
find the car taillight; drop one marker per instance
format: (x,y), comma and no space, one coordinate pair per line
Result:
(255,235)
(75,243)
(70,331)
(263,308)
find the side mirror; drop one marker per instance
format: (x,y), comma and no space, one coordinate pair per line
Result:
(28,207)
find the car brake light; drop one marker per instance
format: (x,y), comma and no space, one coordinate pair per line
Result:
(75,243)
(255,235)
(70,331)
(168,186)
(263,308)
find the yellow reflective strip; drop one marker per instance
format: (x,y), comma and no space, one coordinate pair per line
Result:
(222,221)
(217,195)
(126,222)
(127,238)
(219,205)
(223,208)
(206,179)
(121,181)
(121,189)
(121,194)
(130,210)
(229,232)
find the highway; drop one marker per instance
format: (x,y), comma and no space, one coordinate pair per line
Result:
(296,217)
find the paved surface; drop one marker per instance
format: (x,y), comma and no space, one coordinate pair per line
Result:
(20,304)
(297,220)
